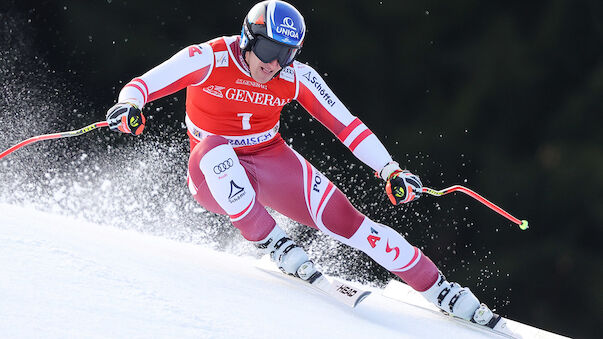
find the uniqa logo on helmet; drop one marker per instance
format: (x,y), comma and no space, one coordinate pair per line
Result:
(285,23)
(287,28)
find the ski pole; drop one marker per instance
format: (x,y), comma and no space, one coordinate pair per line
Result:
(55,136)
(523,224)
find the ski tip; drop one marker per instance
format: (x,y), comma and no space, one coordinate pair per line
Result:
(361,297)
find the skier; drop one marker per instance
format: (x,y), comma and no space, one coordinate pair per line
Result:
(236,88)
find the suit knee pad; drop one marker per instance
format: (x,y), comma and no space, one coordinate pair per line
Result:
(226,179)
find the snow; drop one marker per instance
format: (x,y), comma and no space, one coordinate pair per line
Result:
(67,278)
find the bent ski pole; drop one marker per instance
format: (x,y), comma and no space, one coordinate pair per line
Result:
(55,136)
(523,224)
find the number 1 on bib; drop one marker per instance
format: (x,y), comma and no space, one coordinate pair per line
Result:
(246,117)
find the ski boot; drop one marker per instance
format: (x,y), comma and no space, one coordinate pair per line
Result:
(458,301)
(289,257)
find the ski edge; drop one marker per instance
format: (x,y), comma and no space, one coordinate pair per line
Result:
(337,290)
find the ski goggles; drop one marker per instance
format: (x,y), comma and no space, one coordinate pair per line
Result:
(268,50)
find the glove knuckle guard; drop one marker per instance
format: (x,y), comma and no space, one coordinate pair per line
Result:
(403,187)
(126,118)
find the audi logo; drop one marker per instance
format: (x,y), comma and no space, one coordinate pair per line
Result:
(223,166)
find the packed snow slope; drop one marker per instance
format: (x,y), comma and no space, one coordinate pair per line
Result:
(67,278)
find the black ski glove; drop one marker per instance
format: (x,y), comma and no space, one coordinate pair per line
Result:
(126,118)
(403,187)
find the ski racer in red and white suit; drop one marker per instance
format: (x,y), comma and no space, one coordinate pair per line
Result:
(233,121)
(239,163)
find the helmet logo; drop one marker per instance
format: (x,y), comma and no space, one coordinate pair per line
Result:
(288,22)
(287,28)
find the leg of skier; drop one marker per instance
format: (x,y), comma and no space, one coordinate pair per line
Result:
(220,182)
(290,185)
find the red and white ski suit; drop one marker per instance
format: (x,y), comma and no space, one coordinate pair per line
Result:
(239,163)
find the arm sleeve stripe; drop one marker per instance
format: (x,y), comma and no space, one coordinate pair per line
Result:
(359,139)
(144,96)
(144,84)
(181,83)
(296,87)
(349,129)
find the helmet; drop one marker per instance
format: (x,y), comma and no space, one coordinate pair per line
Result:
(273,30)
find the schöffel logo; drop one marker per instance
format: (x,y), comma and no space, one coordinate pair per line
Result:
(223,166)
(322,91)
(287,28)
(236,192)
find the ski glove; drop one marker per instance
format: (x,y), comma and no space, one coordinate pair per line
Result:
(402,186)
(126,118)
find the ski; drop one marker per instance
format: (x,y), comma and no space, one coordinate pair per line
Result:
(351,296)
(499,325)
(337,290)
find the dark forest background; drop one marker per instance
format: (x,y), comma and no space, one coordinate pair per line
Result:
(504,97)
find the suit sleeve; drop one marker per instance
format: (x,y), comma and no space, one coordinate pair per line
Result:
(318,99)
(192,65)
